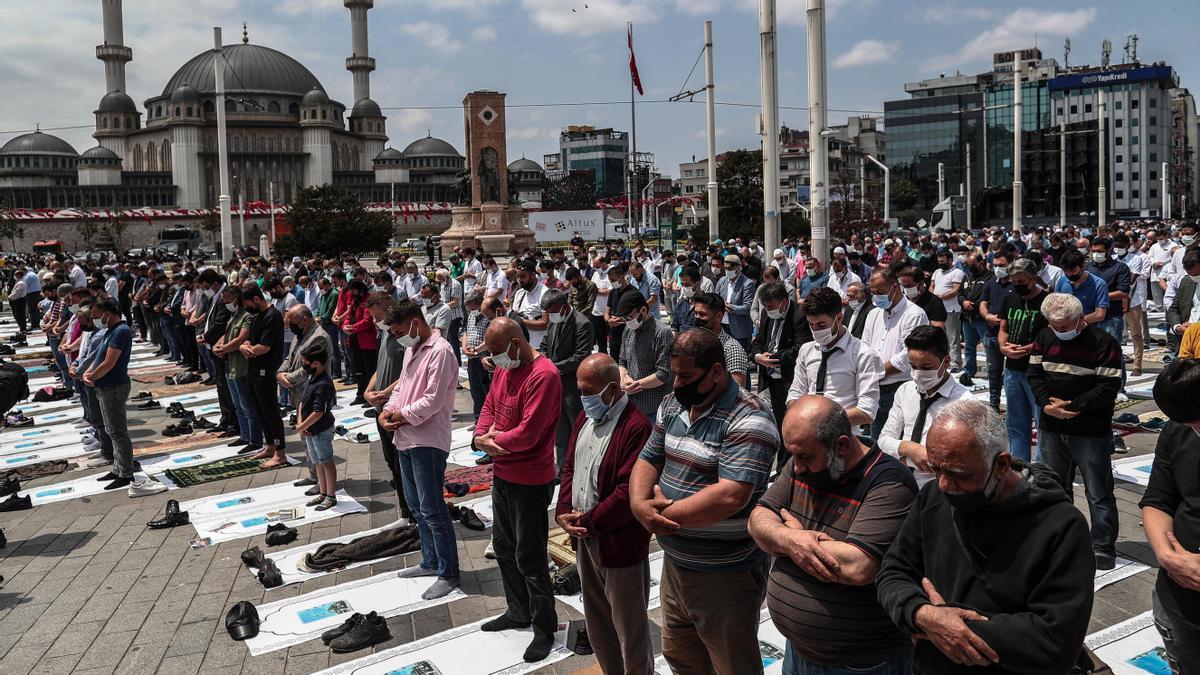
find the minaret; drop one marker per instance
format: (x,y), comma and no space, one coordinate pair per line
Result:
(113,52)
(360,63)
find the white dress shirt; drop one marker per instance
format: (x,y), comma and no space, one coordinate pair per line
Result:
(600,278)
(497,284)
(529,305)
(474,268)
(885,332)
(852,374)
(842,285)
(903,417)
(1050,273)
(1140,266)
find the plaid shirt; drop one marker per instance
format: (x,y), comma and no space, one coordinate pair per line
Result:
(450,291)
(644,353)
(735,356)
(476,327)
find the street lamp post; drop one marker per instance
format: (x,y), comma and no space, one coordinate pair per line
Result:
(941,182)
(714,230)
(222,146)
(887,189)
(1017,184)
(1166,195)
(819,148)
(769,69)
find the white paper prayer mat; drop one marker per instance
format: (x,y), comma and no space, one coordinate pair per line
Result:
(35,456)
(464,650)
(1132,647)
(656,566)
(188,399)
(1134,469)
(30,433)
(290,621)
(1123,570)
(87,486)
(245,513)
(771,646)
(286,560)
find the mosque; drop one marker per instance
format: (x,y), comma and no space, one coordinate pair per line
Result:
(282,129)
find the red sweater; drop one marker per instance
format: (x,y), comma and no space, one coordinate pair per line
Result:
(524,405)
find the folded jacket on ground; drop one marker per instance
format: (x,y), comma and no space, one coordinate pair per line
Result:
(383,544)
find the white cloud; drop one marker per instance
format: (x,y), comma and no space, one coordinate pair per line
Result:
(483,34)
(1017,30)
(698,7)
(589,17)
(867,52)
(952,14)
(795,12)
(436,36)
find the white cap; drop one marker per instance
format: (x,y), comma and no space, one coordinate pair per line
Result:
(778,252)
(839,251)
(888,242)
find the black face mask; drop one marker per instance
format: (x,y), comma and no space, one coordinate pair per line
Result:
(311,370)
(277,294)
(944,265)
(296,330)
(1074,277)
(253,309)
(689,395)
(969,503)
(820,480)
(1020,289)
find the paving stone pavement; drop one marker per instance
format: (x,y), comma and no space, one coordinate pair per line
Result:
(89,589)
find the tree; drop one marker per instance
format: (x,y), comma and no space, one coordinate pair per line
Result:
(211,223)
(88,228)
(328,220)
(740,177)
(117,224)
(904,195)
(575,191)
(10,229)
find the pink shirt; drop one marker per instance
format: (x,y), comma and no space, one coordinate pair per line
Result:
(424,395)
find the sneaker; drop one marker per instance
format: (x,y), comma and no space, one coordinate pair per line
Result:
(145,488)
(369,631)
(489,552)
(1122,397)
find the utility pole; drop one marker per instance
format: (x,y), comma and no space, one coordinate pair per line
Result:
(768,63)
(222,147)
(969,215)
(818,146)
(271,188)
(631,207)
(941,182)
(1165,192)
(1062,170)
(1102,189)
(1017,186)
(887,189)
(714,228)
(242,214)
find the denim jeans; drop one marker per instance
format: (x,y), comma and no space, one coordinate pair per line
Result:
(319,447)
(1021,412)
(995,365)
(424,474)
(167,329)
(116,427)
(974,331)
(249,429)
(61,360)
(335,359)
(1116,328)
(1181,639)
(1092,455)
(794,665)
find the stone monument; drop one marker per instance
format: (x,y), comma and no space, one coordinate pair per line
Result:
(490,223)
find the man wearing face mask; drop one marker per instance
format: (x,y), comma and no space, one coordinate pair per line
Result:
(990,304)
(645,367)
(842,276)
(1118,282)
(836,364)
(1135,314)
(263,349)
(737,290)
(912,284)
(1022,321)
(611,547)
(709,308)
(974,326)
(517,428)
(418,413)
(945,285)
(1075,373)
(714,576)
(829,519)
(527,299)
(567,343)
(857,307)
(890,322)
(1089,289)
(436,313)
(919,401)
(108,375)
(939,578)
(292,376)
(782,332)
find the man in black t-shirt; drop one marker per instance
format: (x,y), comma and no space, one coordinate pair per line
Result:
(619,281)
(912,284)
(264,350)
(1020,320)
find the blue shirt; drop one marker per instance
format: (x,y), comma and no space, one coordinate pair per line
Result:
(33,284)
(1117,278)
(1092,293)
(649,286)
(118,337)
(808,283)
(994,292)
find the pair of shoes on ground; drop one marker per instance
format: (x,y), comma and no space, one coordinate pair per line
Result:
(149,404)
(358,632)
(180,429)
(538,649)
(172,518)
(280,534)
(467,516)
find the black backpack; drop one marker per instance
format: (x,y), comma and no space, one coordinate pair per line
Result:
(14,385)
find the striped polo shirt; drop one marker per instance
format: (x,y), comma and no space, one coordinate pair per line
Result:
(1085,371)
(829,623)
(735,439)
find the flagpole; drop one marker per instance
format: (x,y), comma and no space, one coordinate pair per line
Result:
(633,179)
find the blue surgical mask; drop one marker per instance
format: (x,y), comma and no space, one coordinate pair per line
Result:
(594,405)
(1067,336)
(881,301)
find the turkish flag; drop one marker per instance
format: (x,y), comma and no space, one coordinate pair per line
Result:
(633,71)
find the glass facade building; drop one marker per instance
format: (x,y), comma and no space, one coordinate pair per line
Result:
(601,151)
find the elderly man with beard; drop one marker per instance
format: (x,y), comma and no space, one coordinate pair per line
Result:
(993,566)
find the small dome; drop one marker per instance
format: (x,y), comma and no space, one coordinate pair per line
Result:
(117,101)
(315,97)
(389,153)
(184,93)
(38,143)
(525,165)
(366,108)
(430,146)
(99,153)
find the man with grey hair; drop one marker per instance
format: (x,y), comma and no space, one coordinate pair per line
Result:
(436,312)
(989,522)
(567,343)
(300,322)
(1075,373)
(828,519)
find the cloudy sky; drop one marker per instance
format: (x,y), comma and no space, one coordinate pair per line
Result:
(431,52)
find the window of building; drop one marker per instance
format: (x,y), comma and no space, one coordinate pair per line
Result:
(1134,140)
(273,107)
(1117,105)
(1134,122)
(1119,176)
(1153,157)
(1074,109)
(1133,194)
(1119,123)
(1135,175)
(1153,121)
(1133,105)
(1058,111)
(1153,174)
(1119,141)
(1120,194)
(1153,139)
(1087,107)
(1153,103)
(1153,192)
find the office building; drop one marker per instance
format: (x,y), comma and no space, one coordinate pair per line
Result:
(605,152)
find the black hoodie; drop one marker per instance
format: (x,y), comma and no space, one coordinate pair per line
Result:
(1025,563)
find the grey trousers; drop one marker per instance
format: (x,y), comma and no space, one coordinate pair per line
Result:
(954,334)
(614,607)
(112,409)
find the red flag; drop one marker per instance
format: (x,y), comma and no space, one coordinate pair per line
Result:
(633,71)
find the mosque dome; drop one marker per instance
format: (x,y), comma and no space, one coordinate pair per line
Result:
(366,108)
(315,96)
(250,68)
(430,146)
(117,101)
(37,143)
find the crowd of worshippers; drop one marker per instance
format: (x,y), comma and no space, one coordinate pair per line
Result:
(808,438)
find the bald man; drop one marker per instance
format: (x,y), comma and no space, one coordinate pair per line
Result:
(829,518)
(611,547)
(516,428)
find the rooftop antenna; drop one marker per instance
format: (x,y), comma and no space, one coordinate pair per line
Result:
(1067,53)
(245,34)
(1133,40)
(1105,52)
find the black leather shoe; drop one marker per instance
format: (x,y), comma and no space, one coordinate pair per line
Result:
(172,518)
(486,459)
(367,632)
(106,477)
(253,557)
(150,404)
(269,575)
(202,423)
(16,503)
(341,629)
(10,486)
(142,395)
(249,449)
(280,534)
(470,520)
(181,429)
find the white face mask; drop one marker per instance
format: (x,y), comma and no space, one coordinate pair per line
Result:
(381,325)
(231,306)
(926,380)
(912,293)
(557,317)
(409,340)
(855,304)
(474,313)
(1195,278)
(1082,251)
(686,292)
(825,336)
(1001,272)
(1120,252)
(209,293)
(633,324)
(1099,257)
(731,274)
(503,360)
(777,314)
(1188,239)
